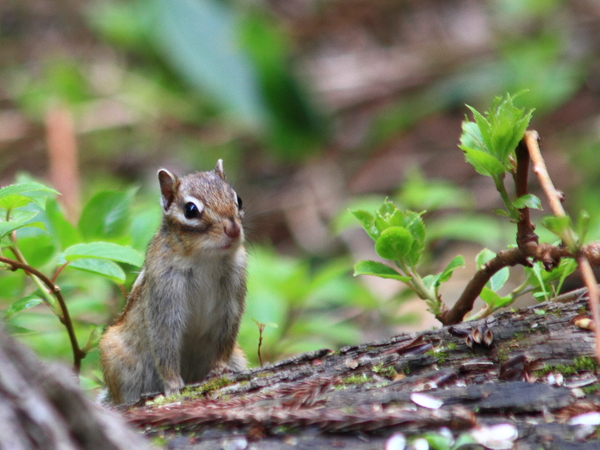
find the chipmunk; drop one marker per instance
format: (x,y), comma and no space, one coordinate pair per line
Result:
(182,316)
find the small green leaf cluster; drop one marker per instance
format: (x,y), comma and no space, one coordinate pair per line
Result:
(545,284)
(400,237)
(562,226)
(489,145)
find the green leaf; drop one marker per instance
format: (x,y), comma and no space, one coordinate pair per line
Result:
(508,125)
(501,212)
(295,126)
(484,163)
(414,224)
(557,225)
(471,136)
(378,269)
(457,261)
(9,227)
(438,441)
(104,250)
(106,215)
(368,222)
(394,243)
(387,209)
(63,231)
(36,192)
(37,250)
(499,278)
(484,256)
(14,201)
(14,329)
(199,40)
(565,268)
(101,267)
(496,134)
(541,280)
(432,281)
(23,303)
(529,201)
(493,299)
(583,223)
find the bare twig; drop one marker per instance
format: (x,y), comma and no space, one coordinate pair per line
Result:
(65,318)
(531,140)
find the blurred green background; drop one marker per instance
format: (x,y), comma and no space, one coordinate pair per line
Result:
(315,106)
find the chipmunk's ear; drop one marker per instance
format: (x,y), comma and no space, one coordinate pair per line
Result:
(219,169)
(169,184)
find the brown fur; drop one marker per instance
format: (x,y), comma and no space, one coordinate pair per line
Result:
(182,317)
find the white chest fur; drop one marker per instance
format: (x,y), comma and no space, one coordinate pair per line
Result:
(210,295)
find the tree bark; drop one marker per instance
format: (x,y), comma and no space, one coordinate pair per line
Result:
(359,396)
(41,407)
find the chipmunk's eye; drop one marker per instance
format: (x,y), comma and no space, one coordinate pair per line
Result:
(239,202)
(191,211)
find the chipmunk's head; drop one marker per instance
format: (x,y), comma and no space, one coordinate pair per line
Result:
(202,209)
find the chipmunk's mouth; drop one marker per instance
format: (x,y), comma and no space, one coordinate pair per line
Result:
(231,243)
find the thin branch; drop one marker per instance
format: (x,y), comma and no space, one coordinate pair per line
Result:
(464,304)
(555,197)
(525,229)
(59,270)
(65,319)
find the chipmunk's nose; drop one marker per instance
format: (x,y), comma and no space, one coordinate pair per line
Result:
(232,229)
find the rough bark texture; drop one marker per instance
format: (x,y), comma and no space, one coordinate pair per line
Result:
(357,397)
(41,407)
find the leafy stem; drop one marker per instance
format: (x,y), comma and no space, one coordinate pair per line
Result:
(513,213)
(430,297)
(45,284)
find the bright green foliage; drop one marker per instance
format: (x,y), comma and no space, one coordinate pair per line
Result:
(34,231)
(489,145)
(378,269)
(106,216)
(103,250)
(528,201)
(545,284)
(304,301)
(27,302)
(435,281)
(400,237)
(496,134)
(489,293)
(394,243)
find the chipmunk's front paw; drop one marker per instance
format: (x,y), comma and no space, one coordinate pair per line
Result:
(173,386)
